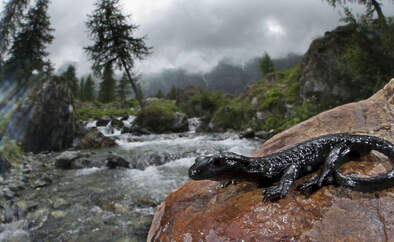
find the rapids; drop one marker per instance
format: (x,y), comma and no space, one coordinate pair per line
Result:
(100,204)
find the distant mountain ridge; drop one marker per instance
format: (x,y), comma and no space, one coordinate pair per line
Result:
(225,76)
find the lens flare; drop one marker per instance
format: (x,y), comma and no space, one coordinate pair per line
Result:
(11,97)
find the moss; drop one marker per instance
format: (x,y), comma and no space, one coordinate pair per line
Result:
(11,150)
(4,125)
(158,116)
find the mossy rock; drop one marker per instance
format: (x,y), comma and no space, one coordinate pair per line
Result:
(161,116)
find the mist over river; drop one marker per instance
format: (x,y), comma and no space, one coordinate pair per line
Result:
(101,204)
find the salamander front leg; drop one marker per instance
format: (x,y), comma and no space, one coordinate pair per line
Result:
(288,178)
(226,183)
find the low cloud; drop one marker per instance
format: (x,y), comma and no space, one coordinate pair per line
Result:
(195,35)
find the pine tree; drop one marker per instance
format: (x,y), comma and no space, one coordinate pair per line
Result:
(89,89)
(107,86)
(173,93)
(123,88)
(71,78)
(114,41)
(266,64)
(28,51)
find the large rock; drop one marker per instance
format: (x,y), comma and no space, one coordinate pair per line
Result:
(45,120)
(94,139)
(198,211)
(323,67)
(65,159)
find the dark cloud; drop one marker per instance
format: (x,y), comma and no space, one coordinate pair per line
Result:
(197,34)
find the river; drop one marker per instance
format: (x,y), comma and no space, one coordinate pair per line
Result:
(101,204)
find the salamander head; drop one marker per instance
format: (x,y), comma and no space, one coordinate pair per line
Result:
(215,167)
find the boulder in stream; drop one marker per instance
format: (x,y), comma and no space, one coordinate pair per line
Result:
(66,159)
(198,211)
(94,139)
(116,123)
(113,162)
(103,121)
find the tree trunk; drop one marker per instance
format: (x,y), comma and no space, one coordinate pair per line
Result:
(378,10)
(134,86)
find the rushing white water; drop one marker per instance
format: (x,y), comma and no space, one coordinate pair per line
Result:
(163,160)
(118,204)
(194,123)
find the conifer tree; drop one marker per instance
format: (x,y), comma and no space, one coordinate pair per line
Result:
(173,93)
(159,94)
(114,41)
(89,89)
(123,88)
(82,89)
(70,76)
(107,86)
(11,19)
(28,51)
(375,5)
(266,64)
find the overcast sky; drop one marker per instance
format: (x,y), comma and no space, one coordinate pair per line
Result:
(196,34)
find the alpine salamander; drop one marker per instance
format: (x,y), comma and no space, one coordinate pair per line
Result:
(296,161)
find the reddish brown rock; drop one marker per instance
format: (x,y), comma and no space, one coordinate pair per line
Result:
(198,211)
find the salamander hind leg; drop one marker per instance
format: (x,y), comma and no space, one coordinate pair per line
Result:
(313,185)
(337,155)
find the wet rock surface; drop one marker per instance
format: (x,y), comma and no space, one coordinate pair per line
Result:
(198,211)
(113,162)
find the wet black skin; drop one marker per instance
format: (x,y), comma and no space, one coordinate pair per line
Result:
(329,151)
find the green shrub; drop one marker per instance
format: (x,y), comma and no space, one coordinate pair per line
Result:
(274,98)
(204,104)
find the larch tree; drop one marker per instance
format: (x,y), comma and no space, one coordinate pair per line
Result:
(114,41)
(107,86)
(373,4)
(122,88)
